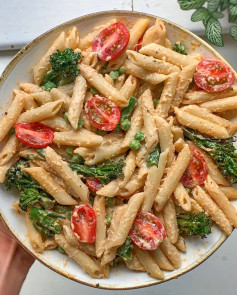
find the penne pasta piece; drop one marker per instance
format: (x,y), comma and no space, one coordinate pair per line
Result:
(35,237)
(67,89)
(221,105)
(161,260)
(153,181)
(180,244)
(185,78)
(136,125)
(9,150)
(72,40)
(170,219)
(110,147)
(155,34)
(171,252)
(82,137)
(29,102)
(41,97)
(98,81)
(65,172)
(150,129)
(119,83)
(167,95)
(99,209)
(230,192)
(135,33)
(87,41)
(167,55)
(202,125)
(126,222)
(4,168)
(109,79)
(206,115)
(135,184)
(10,117)
(50,244)
(134,263)
(149,263)
(51,186)
(195,207)
(166,138)
(76,103)
(44,65)
(129,87)
(183,198)
(177,133)
(213,171)
(58,94)
(172,179)
(193,97)
(217,215)
(221,200)
(150,63)
(90,58)
(85,261)
(57,123)
(150,77)
(72,240)
(30,88)
(43,112)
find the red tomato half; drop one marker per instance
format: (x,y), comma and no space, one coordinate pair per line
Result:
(36,135)
(111,41)
(102,113)
(213,75)
(83,223)
(138,46)
(147,231)
(94,184)
(197,170)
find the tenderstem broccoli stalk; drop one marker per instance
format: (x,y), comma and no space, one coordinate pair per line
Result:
(46,222)
(221,150)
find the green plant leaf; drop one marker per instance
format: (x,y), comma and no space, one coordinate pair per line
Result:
(214,32)
(217,14)
(232,11)
(200,15)
(191,4)
(212,5)
(233,32)
(224,4)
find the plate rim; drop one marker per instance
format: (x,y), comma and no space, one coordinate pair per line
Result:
(27,48)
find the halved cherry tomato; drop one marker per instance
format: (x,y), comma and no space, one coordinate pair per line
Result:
(213,75)
(111,41)
(36,135)
(83,223)
(197,170)
(94,184)
(147,231)
(138,46)
(102,113)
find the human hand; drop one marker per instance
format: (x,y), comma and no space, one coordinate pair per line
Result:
(15,263)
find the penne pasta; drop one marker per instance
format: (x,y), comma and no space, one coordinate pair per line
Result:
(170,219)
(129,87)
(221,105)
(171,252)
(230,192)
(58,94)
(183,198)
(155,34)
(180,244)
(9,150)
(161,260)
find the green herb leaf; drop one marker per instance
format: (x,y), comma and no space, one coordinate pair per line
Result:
(214,32)
(156,102)
(109,202)
(217,14)
(80,123)
(94,90)
(233,32)
(179,47)
(191,4)
(61,250)
(200,14)
(125,251)
(212,5)
(224,4)
(153,158)
(233,11)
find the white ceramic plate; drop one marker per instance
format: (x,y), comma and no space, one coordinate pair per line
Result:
(18,70)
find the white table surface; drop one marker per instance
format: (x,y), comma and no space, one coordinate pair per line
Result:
(216,276)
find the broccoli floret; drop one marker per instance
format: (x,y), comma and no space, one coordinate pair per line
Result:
(194,224)
(64,69)
(46,222)
(105,172)
(65,211)
(125,251)
(221,150)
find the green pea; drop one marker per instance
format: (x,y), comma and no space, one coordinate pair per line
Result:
(139,136)
(108,220)
(80,123)
(49,85)
(61,250)
(135,145)
(121,71)
(125,124)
